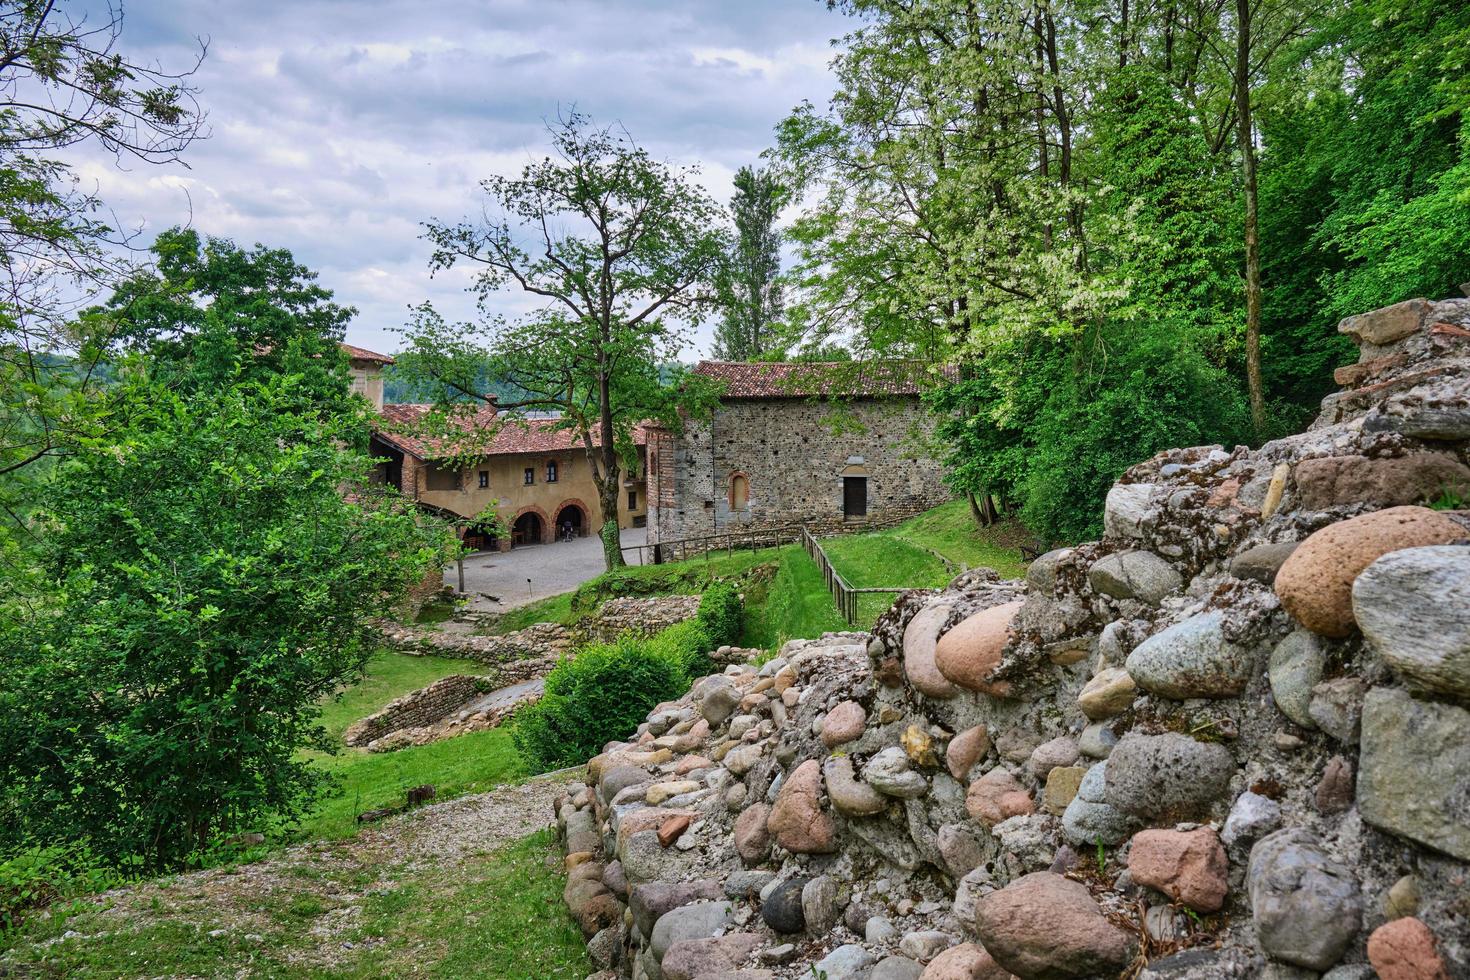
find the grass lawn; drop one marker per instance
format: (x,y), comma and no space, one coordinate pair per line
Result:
(492,915)
(389,675)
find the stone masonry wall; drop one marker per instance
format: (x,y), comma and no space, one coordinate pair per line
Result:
(794,453)
(1231,739)
(416,709)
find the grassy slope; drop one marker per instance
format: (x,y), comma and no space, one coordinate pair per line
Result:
(495,915)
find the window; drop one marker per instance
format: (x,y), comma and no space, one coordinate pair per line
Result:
(530,475)
(484,479)
(551,471)
(632,499)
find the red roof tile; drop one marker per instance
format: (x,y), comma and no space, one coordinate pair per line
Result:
(363,354)
(515,436)
(860,379)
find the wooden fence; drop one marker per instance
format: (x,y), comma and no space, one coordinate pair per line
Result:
(843,594)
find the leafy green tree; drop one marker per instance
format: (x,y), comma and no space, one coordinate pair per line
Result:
(622,248)
(212,584)
(748,283)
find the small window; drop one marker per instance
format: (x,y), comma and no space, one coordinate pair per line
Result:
(530,475)
(551,471)
(632,499)
(484,479)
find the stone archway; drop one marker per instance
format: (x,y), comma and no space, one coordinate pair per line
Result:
(531,526)
(575,513)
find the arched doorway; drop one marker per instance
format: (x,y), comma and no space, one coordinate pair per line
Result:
(571,521)
(478,537)
(528,529)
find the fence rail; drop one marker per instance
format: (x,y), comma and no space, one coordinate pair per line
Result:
(843,594)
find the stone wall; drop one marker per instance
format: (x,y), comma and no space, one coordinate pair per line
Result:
(1229,740)
(416,709)
(641,617)
(793,453)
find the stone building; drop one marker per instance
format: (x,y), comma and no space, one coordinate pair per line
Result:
(822,444)
(537,476)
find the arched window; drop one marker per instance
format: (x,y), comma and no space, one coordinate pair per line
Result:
(739,491)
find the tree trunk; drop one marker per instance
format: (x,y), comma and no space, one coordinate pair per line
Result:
(612,548)
(1252,226)
(608,488)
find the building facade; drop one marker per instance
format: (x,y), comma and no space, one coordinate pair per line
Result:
(827,445)
(537,478)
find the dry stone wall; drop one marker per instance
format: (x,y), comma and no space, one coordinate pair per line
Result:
(1230,739)
(416,709)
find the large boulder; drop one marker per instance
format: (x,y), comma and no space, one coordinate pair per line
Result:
(1384,326)
(1315,584)
(1414,775)
(1306,905)
(1167,776)
(973,648)
(1047,927)
(1413,605)
(920,641)
(1192,659)
(798,822)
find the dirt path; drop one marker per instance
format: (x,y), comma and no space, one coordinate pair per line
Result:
(313,909)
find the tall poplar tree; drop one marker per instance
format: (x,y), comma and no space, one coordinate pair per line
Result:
(749,288)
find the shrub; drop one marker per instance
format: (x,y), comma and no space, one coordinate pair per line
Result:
(720,614)
(36,877)
(601,694)
(687,645)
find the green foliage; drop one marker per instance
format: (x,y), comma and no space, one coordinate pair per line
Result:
(601,693)
(687,645)
(36,877)
(748,282)
(719,613)
(212,584)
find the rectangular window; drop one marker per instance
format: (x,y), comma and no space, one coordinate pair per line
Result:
(551,471)
(632,499)
(484,479)
(530,475)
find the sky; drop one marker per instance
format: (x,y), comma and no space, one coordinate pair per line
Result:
(338,126)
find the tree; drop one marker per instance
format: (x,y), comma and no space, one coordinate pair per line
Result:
(212,584)
(748,285)
(622,249)
(63,81)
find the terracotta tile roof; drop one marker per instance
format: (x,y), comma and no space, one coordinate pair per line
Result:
(869,379)
(363,354)
(515,436)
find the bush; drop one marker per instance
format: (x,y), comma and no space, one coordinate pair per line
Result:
(686,644)
(36,877)
(601,694)
(720,614)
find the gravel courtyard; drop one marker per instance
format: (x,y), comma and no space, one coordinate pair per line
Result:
(497,581)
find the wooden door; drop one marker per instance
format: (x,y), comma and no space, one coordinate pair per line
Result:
(854,496)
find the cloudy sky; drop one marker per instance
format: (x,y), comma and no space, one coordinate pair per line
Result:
(338,126)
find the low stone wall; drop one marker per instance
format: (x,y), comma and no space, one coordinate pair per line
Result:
(416,709)
(641,617)
(536,642)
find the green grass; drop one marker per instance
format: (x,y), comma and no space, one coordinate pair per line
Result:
(389,675)
(493,916)
(464,764)
(950,530)
(793,605)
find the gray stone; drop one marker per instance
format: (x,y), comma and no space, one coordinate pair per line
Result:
(747,884)
(879,929)
(846,794)
(782,907)
(888,772)
(1192,659)
(1351,971)
(1253,816)
(1414,770)
(1295,668)
(850,962)
(924,946)
(1261,563)
(702,920)
(619,778)
(1306,905)
(1041,574)
(819,905)
(1166,775)
(896,968)
(1140,575)
(655,898)
(1097,740)
(1060,751)
(1413,605)
(1337,707)
(961,848)
(719,703)
(1127,509)
(1440,424)
(1089,818)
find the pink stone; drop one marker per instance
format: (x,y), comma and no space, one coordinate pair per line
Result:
(997,796)
(1404,949)
(966,749)
(798,822)
(1188,866)
(969,652)
(843,724)
(964,962)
